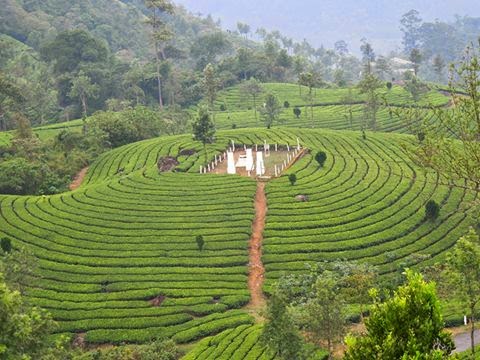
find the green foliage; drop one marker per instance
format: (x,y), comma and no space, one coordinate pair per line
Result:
(18,176)
(432,210)
(204,130)
(464,274)
(200,242)
(280,334)
(321,157)
(292,178)
(271,110)
(405,326)
(24,329)
(297,112)
(6,245)
(158,350)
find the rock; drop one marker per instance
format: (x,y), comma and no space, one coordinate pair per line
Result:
(302,198)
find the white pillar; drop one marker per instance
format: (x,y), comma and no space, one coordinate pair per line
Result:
(298,143)
(288,148)
(276,147)
(249,160)
(276,171)
(231,163)
(260,164)
(208,167)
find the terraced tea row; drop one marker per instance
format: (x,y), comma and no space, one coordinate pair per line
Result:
(118,259)
(234,98)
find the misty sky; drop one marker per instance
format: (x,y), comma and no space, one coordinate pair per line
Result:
(326,21)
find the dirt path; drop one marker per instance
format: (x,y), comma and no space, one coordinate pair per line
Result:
(78,179)
(257,271)
(463,341)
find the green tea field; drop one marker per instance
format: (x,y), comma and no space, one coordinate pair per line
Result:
(118,259)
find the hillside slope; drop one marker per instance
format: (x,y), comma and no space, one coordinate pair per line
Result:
(118,259)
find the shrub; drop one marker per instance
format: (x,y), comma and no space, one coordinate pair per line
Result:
(421,136)
(286,104)
(297,112)
(432,210)
(292,178)
(223,107)
(200,242)
(389,85)
(321,157)
(234,126)
(6,245)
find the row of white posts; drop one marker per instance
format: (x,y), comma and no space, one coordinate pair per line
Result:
(260,163)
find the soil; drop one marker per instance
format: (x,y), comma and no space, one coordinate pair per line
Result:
(78,179)
(167,163)
(257,271)
(156,302)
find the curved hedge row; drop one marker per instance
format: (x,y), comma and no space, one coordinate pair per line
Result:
(118,258)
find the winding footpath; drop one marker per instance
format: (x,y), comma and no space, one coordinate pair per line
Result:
(78,180)
(256,269)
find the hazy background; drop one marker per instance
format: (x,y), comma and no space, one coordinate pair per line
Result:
(326,21)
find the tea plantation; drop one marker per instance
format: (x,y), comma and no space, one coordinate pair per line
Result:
(118,260)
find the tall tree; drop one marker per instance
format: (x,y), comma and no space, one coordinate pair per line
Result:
(271,110)
(210,85)
(451,144)
(411,23)
(204,130)
(416,59)
(10,99)
(324,311)
(310,80)
(253,88)
(438,66)
(369,86)
(243,29)
(280,334)
(83,89)
(464,270)
(368,55)
(408,325)
(161,34)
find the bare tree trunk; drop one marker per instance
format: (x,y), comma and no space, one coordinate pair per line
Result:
(159,77)
(255,106)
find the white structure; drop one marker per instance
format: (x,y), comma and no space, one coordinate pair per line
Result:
(298,144)
(249,160)
(260,164)
(231,163)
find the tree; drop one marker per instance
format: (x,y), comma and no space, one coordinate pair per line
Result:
(83,89)
(200,242)
(210,85)
(310,80)
(292,178)
(324,316)
(382,68)
(368,86)
(341,47)
(17,268)
(415,87)
(280,334)
(411,23)
(438,67)
(407,325)
(416,58)
(297,112)
(271,110)
(463,267)
(368,55)
(321,157)
(432,210)
(161,34)
(204,130)
(10,99)
(243,29)
(252,88)
(24,128)
(6,245)
(451,144)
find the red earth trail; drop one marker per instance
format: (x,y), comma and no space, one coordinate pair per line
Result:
(257,271)
(77,181)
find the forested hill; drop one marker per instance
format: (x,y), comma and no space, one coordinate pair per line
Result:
(120,23)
